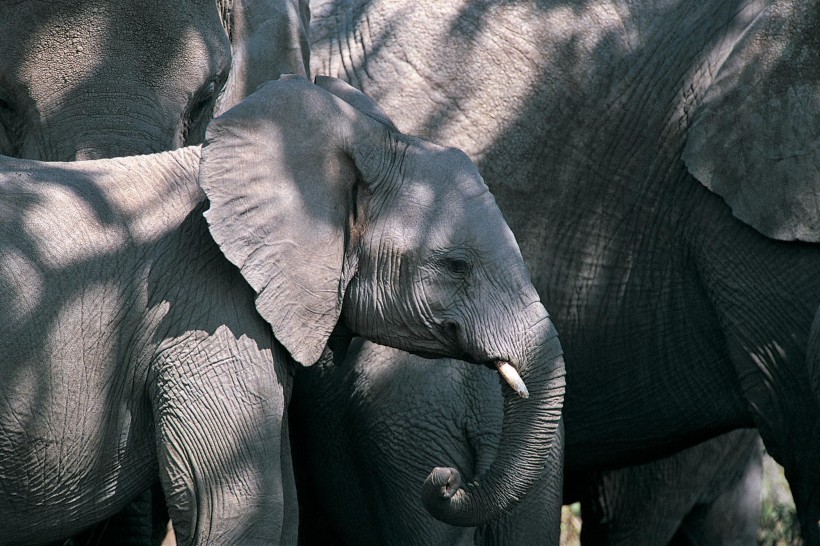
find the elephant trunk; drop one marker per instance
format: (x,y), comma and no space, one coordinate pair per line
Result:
(530,428)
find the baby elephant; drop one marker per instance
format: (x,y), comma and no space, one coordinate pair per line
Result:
(156,308)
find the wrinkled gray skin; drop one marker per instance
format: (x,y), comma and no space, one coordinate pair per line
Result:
(813,359)
(83,79)
(372,427)
(182,331)
(708,494)
(655,162)
(371,443)
(88,79)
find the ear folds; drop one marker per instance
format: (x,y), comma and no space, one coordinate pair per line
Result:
(268,39)
(754,138)
(279,171)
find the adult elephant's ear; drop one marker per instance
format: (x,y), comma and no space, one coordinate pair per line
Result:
(268,38)
(755,139)
(280,171)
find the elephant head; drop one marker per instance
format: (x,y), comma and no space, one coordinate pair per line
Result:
(334,216)
(84,79)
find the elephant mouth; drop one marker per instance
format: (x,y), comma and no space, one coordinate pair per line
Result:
(507,370)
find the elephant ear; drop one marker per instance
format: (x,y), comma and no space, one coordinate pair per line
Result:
(755,139)
(279,171)
(355,98)
(268,39)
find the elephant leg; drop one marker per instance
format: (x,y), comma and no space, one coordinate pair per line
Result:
(219,409)
(803,474)
(806,487)
(706,494)
(765,295)
(319,432)
(633,505)
(290,530)
(732,517)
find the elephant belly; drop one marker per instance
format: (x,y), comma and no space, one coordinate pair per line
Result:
(648,369)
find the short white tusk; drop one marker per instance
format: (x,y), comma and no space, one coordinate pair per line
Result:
(512,378)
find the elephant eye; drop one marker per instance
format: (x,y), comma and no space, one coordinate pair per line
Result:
(200,111)
(456,265)
(202,101)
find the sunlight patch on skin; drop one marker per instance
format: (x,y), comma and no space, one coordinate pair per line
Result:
(519,40)
(17,269)
(86,236)
(73,58)
(111,205)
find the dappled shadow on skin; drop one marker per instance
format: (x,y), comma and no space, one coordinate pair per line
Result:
(98,49)
(89,79)
(578,114)
(53,286)
(584,85)
(90,235)
(69,230)
(412,200)
(59,289)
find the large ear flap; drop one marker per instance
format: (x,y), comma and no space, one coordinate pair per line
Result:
(279,170)
(268,38)
(755,139)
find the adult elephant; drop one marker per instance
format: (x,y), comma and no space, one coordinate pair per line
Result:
(181,330)
(86,79)
(656,162)
(82,79)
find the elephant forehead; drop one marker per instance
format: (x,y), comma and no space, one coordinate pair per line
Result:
(430,213)
(441,180)
(80,39)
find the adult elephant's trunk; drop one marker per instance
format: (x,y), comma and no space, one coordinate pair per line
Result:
(529,431)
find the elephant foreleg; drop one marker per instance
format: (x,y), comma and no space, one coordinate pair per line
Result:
(803,475)
(219,413)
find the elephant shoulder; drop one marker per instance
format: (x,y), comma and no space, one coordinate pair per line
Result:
(67,213)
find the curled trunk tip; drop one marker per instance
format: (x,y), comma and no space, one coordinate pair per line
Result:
(529,430)
(438,492)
